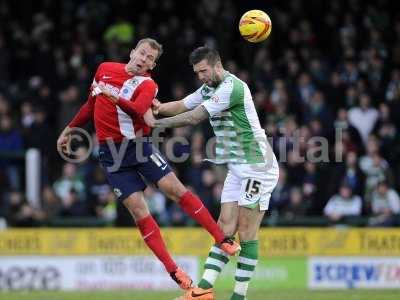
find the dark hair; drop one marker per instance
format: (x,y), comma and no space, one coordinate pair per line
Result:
(346,184)
(153,44)
(383,181)
(200,53)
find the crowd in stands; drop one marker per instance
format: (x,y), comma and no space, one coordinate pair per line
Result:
(329,73)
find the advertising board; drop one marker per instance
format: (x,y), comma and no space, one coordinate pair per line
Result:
(89,272)
(353,272)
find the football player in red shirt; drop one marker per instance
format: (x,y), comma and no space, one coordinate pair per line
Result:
(119,97)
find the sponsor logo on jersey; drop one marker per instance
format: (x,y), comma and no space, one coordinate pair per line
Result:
(214,98)
(126,92)
(248,196)
(110,88)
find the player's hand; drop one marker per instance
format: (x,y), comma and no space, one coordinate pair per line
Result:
(107,94)
(156,106)
(95,90)
(149,119)
(63,143)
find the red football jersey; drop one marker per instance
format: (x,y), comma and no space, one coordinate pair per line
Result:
(125,118)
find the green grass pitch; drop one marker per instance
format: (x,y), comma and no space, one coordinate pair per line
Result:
(254,295)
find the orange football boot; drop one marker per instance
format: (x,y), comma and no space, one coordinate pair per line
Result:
(198,294)
(230,247)
(182,279)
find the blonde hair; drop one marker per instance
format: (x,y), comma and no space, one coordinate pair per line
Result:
(153,44)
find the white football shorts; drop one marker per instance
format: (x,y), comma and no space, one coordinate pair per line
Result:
(250,185)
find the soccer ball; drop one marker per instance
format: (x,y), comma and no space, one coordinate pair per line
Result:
(255,26)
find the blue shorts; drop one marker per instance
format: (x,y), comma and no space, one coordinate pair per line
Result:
(125,169)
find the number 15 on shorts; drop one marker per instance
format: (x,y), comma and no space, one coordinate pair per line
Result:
(251,191)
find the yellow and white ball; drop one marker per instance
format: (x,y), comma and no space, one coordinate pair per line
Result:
(255,26)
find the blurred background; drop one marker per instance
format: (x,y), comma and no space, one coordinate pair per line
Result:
(327,66)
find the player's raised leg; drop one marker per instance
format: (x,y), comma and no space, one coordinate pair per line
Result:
(151,234)
(193,206)
(217,259)
(128,185)
(156,169)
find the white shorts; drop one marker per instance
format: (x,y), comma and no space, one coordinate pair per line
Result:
(250,185)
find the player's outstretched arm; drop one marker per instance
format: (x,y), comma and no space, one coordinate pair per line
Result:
(192,117)
(80,119)
(168,109)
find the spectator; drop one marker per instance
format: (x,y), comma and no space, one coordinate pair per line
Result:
(20,212)
(280,195)
(157,204)
(353,139)
(393,87)
(98,190)
(317,109)
(208,181)
(343,204)
(385,205)
(71,190)
(10,144)
(47,64)
(72,206)
(348,172)
(305,88)
(106,209)
(386,131)
(364,117)
(27,115)
(70,103)
(374,167)
(51,205)
(297,207)
(350,72)
(4,105)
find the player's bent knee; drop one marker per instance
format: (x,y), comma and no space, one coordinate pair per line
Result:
(137,206)
(172,187)
(172,194)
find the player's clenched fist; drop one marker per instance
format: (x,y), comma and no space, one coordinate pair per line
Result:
(149,118)
(63,142)
(155,107)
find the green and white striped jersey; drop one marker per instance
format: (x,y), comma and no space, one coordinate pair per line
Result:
(239,136)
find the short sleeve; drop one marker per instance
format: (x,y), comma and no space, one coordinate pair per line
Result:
(221,98)
(193,100)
